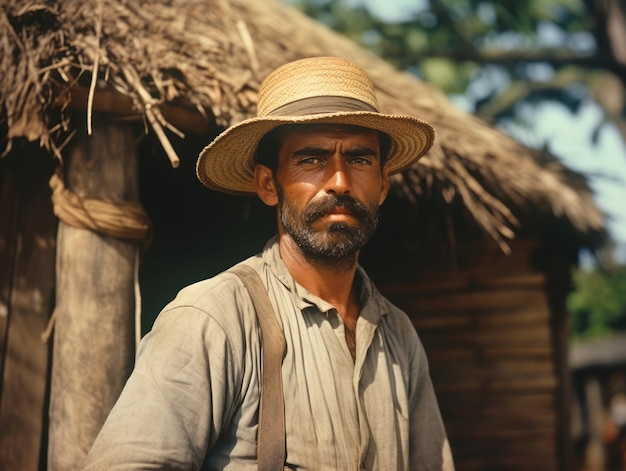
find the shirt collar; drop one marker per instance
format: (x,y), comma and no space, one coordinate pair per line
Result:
(371,301)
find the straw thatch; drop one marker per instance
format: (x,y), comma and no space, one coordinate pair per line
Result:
(205,58)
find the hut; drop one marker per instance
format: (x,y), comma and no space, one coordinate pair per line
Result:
(599,402)
(104,108)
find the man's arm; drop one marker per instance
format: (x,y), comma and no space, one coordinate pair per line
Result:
(176,401)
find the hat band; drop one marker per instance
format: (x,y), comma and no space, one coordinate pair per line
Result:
(321,104)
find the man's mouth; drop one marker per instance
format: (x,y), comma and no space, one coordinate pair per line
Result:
(340,210)
(339,216)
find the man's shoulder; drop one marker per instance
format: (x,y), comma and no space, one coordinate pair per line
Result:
(221,295)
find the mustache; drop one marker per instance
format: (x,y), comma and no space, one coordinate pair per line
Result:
(328,204)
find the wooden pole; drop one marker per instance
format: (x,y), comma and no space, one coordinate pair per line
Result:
(94,343)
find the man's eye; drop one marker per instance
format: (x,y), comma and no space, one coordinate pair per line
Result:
(309,161)
(360,161)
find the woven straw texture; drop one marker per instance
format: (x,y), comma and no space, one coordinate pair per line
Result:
(330,76)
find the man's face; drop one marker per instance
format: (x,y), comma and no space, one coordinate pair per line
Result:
(330,184)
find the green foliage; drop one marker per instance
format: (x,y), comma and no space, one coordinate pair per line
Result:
(445,73)
(455,44)
(598,304)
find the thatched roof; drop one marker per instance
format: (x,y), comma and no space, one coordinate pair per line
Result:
(175,61)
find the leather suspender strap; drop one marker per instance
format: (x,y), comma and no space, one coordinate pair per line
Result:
(271,431)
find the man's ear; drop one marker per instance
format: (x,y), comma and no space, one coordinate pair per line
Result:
(384,189)
(265,185)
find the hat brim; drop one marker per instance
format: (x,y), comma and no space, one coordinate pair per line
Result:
(227,164)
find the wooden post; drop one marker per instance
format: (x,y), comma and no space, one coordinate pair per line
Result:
(94,332)
(595,453)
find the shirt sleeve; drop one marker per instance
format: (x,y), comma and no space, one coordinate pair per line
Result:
(429,448)
(176,401)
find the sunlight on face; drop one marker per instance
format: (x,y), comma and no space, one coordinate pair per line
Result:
(330,184)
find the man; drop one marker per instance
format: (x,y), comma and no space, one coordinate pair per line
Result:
(357,392)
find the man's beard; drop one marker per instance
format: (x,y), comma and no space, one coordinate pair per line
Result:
(338,244)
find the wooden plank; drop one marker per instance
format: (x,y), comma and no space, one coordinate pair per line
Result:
(514,317)
(26,362)
(473,258)
(517,351)
(541,446)
(491,370)
(521,336)
(486,352)
(524,463)
(444,282)
(431,322)
(485,464)
(544,384)
(520,316)
(455,411)
(478,301)
(459,431)
(509,420)
(519,367)
(457,353)
(455,406)
(442,363)
(496,451)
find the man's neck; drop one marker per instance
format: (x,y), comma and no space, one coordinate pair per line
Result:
(331,282)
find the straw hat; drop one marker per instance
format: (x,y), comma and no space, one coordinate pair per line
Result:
(314,90)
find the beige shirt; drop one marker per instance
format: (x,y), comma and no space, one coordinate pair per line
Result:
(192,400)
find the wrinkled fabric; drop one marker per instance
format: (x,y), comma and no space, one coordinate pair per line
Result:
(192,400)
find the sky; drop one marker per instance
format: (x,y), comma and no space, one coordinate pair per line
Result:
(569,136)
(604,163)
(393,10)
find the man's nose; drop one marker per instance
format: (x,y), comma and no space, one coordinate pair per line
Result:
(338,178)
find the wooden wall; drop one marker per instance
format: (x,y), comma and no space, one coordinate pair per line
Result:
(491,335)
(27,258)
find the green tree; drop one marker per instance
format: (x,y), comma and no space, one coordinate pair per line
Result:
(502,54)
(598,305)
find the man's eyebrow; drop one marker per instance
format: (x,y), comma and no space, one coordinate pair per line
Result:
(311,150)
(361,151)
